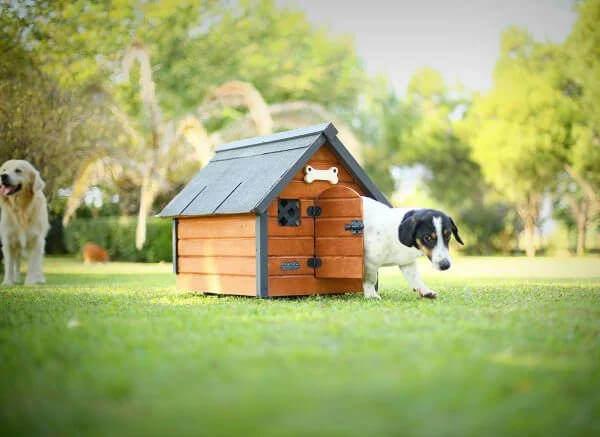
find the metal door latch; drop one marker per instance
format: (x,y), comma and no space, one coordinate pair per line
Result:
(313,211)
(355,226)
(314,262)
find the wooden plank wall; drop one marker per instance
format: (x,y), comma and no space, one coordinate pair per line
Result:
(340,251)
(288,244)
(217,254)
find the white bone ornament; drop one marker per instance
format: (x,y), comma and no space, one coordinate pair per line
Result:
(314,174)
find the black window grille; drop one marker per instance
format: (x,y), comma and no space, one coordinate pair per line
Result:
(288,212)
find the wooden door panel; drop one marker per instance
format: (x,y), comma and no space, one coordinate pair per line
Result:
(340,251)
(334,227)
(289,265)
(340,192)
(341,207)
(340,267)
(334,246)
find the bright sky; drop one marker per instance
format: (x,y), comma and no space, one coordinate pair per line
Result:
(461,39)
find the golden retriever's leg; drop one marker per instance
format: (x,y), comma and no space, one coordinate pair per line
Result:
(9,269)
(35,274)
(16,265)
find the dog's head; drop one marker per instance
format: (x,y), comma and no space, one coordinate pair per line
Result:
(429,231)
(18,176)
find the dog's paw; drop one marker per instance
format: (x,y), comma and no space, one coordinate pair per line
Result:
(429,294)
(374,296)
(35,280)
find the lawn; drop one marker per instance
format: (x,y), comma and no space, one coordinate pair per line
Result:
(511,346)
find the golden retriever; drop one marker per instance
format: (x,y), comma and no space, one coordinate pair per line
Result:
(24,221)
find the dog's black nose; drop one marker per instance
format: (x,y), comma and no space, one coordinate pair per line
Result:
(444,264)
(4,178)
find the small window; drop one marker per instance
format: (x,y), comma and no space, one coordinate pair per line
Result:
(288,212)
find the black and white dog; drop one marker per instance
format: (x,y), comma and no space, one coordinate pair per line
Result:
(398,236)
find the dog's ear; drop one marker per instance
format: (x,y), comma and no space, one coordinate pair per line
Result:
(38,182)
(408,228)
(455,231)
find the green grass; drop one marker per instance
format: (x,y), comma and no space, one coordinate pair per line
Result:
(510,347)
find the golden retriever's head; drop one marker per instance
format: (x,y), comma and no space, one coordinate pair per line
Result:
(18,175)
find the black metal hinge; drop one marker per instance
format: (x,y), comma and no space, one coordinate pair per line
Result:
(313,211)
(314,262)
(355,226)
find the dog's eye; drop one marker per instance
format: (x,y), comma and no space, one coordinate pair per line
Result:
(18,170)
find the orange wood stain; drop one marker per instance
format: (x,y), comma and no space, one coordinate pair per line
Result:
(243,246)
(306,285)
(300,189)
(276,265)
(217,254)
(334,246)
(340,206)
(228,265)
(226,226)
(220,284)
(301,246)
(306,228)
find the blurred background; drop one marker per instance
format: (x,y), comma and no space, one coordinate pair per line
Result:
(490,112)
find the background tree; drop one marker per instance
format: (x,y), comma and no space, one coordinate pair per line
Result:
(175,55)
(52,127)
(520,130)
(419,131)
(581,84)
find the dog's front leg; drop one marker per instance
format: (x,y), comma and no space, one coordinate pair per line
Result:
(9,269)
(414,280)
(16,265)
(369,283)
(35,274)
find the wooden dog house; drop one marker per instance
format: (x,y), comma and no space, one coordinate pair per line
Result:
(279,215)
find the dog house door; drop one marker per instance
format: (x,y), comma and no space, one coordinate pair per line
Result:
(339,234)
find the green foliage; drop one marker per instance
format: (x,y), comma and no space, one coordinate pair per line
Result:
(198,45)
(521,128)
(99,348)
(420,130)
(117,236)
(101,121)
(582,50)
(52,128)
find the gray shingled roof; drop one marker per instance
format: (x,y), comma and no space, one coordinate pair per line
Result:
(245,176)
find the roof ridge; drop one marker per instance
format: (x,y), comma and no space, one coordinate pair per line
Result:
(279,136)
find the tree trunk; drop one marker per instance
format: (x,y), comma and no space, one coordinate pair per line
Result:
(580,210)
(529,212)
(530,238)
(147,196)
(582,222)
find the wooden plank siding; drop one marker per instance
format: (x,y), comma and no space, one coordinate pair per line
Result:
(288,244)
(243,246)
(302,190)
(217,254)
(218,284)
(308,284)
(340,206)
(223,226)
